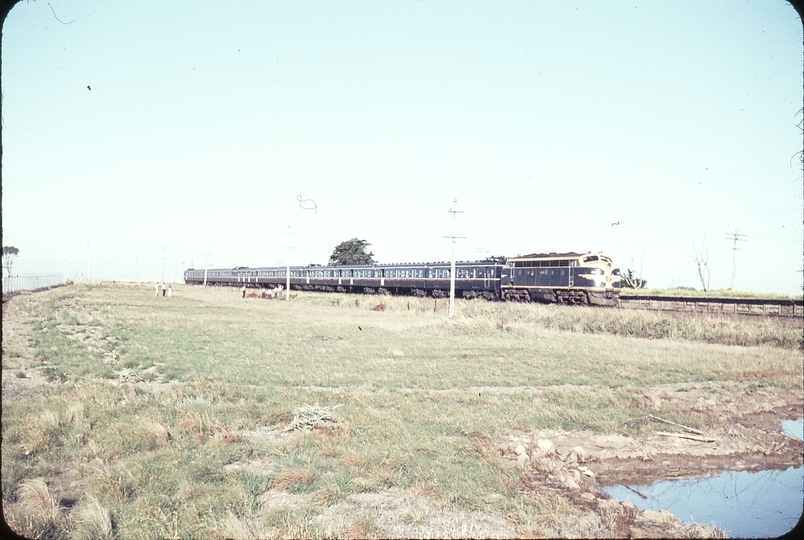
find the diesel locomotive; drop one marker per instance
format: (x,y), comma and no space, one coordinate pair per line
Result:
(564,278)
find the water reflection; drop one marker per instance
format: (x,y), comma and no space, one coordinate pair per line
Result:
(744,504)
(794,428)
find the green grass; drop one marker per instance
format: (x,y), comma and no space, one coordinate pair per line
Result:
(714,293)
(151,400)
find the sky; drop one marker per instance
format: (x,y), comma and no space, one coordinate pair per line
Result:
(141,138)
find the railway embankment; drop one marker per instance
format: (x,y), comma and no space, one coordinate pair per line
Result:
(774,307)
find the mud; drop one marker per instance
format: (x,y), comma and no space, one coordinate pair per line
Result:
(575,465)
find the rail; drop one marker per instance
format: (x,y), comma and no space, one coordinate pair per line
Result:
(774,307)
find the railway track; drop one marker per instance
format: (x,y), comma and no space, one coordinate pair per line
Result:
(769,307)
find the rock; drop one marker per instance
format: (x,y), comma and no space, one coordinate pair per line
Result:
(546,446)
(544,464)
(587,497)
(580,453)
(611,505)
(589,473)
(521,450)
(522,461)
(571,481)
(660,517)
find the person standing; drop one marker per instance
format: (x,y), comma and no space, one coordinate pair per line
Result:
(157,289)
(170,290)
(243,289)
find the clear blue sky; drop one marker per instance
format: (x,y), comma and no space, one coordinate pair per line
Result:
(548,121)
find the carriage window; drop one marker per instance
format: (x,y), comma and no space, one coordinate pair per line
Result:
(590,259)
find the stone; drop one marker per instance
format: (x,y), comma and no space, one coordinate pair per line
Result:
(546,446)
(661,516)
(521,450)
(580,453)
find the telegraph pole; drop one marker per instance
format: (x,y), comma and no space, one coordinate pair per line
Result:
(287,282)
(163,264)
(737,238)
(206,268)
(454,211)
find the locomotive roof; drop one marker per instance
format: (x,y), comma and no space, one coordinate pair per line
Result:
(551,255)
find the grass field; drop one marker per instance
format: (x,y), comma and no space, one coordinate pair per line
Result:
(151,417)
(716,293)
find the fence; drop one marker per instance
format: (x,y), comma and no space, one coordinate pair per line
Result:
(31,283)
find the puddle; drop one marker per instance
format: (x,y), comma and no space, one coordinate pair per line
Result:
(744,504)
(794,428)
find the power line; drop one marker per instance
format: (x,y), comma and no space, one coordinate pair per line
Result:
(206,268)
(737,238)
(454,211)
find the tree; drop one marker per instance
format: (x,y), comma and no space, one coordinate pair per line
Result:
(700,254)
(9,252)
(352,251)
(631,281)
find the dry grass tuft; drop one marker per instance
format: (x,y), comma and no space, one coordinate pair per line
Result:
(155,432)
(241,528)
(36,499)
(75,414)
(49,418)
(293,480)
(96,520)
(308,417)
(363,528)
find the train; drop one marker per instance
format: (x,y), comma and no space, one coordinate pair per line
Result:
(563,278)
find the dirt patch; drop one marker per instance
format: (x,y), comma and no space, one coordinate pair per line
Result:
(399,514)
(260,467)
(19,380)
(574,465)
